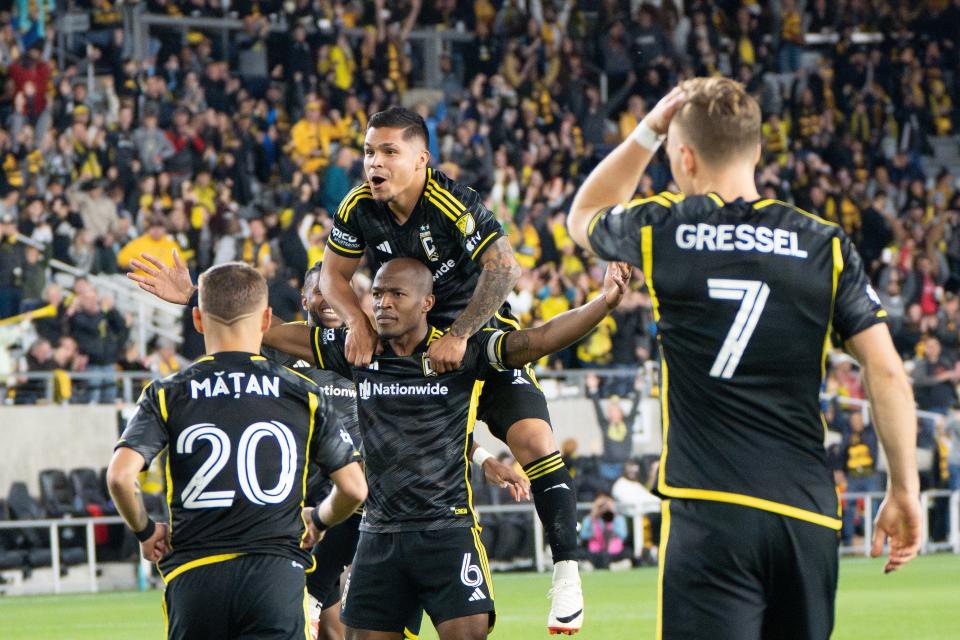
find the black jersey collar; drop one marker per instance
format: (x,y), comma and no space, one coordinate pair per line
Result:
(432,334)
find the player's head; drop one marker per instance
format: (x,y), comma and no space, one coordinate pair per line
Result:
(233,304)
(717,130)
(395,152)
(402,295)
(320,312)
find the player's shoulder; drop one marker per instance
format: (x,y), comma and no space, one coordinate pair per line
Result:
(294,380)
(453,200)
(786,214)
(358,199)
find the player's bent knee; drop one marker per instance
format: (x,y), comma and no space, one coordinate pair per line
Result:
(530,439)
(475,627)
(366,634)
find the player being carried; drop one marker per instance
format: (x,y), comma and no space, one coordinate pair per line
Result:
(747,294)
(241,433)
(335,551)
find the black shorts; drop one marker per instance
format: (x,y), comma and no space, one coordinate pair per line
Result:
(737,573)
(508,397)
(445,572)
(252,597)
(333,554)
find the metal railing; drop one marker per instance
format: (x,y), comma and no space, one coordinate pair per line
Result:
(952,544)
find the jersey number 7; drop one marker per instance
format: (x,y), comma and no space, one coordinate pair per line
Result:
(752,295)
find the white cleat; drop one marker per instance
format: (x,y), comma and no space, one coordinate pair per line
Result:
(566,609)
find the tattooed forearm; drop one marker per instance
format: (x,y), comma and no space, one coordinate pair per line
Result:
(518,349)
(499,276)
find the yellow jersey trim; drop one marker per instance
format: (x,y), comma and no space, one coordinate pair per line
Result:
(476,252)
(659,199)
(318,356)
(756,503)
(594,220)
(162,400)
(447,196)
(306,615)
(166,615)
(471,422)
(344,249)
(646,248)
(350,201)
(312,383)
(200,562)
(760,204)
(313,402)
(432,196)
(256,358)
(508,321)
(717,199)
(673,197)
(664,543)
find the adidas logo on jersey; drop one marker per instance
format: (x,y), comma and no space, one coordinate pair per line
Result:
(518,377)
(385,247)
(477,595)
(301,364)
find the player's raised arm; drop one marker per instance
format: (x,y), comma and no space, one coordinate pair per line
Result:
(615,179)
(170,283)
(891,398)
(294,338)
(517,348)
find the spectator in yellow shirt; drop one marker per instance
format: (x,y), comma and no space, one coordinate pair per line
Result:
(310,139)
(156,241)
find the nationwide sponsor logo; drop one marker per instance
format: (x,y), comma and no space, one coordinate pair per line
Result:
(385,248)
(444,269)
(739,237)
(338,392)
(369,389)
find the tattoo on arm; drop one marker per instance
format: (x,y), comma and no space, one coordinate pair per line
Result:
(499,276)
(519,349)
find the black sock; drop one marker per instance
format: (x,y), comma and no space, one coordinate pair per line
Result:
(556,503)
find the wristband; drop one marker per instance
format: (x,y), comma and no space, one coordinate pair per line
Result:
(646,137)
(317,522)
(144,534)
(481,455)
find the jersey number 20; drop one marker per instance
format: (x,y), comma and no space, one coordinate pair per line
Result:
(752,295)
(194,496)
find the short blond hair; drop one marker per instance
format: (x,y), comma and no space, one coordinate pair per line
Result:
(719,119)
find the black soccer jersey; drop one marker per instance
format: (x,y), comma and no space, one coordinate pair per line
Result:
(448,231)
(241,433)
(417,430)
(746,297)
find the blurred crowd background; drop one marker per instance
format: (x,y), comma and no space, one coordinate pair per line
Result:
(238,145)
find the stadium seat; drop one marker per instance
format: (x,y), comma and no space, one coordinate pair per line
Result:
(57,495)
(10,556)
(86,487)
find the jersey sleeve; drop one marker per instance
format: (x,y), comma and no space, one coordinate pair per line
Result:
(477,227)
(332,447)
(329,351)
(146,431)
(346,237)
(486,350)
(857,305)
(615,232)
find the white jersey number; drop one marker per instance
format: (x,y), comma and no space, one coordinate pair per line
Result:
(194,495)
(752,295)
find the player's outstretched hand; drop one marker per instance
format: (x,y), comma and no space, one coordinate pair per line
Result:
(615,283)
(506,478)
(313,536)
(172,284)
(362,342)
(157,545)
(446,353)
(660,116)
(898,521)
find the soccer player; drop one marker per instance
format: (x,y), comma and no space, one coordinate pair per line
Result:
(420,537)
(747,293)
(336,549)
(241,433)
(407,209)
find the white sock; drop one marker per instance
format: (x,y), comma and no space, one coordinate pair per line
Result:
(566,570)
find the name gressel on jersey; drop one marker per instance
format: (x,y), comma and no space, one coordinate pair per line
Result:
(449,231)
(242,434)
(417,431)
(746,296)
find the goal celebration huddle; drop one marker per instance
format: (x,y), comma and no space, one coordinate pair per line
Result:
(318,473)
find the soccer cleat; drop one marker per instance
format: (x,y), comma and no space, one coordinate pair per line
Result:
(566,609)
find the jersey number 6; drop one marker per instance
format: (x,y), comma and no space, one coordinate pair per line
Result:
(752,295)
(194,496)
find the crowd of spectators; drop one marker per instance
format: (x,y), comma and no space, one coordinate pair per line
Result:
(242,152)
